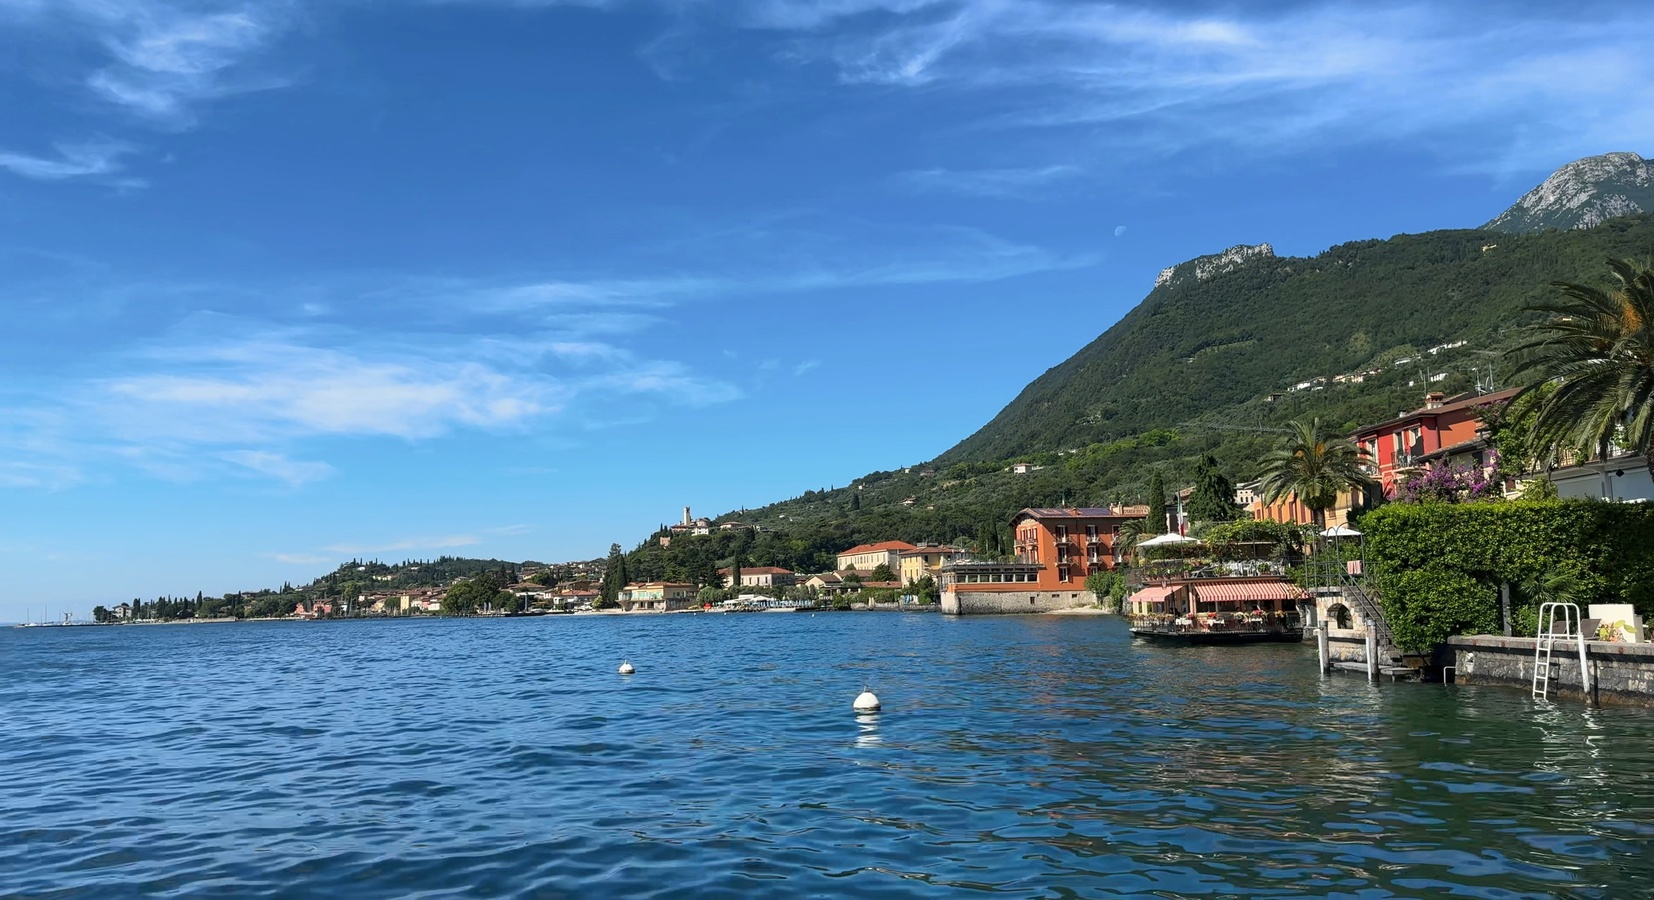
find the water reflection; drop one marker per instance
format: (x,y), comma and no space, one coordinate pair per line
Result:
(867,730)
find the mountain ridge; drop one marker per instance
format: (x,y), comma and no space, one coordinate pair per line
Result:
(1583,194)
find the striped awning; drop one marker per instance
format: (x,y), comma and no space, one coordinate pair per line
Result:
(1248,591)
(1153,594)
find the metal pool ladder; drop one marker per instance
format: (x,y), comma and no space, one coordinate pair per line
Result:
(1545,642)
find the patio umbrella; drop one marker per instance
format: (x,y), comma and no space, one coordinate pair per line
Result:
(1340,531)
(1167,540)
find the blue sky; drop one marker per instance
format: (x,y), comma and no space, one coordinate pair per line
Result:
(291,282)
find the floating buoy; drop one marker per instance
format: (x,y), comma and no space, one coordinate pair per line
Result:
(867,701)
(626,668)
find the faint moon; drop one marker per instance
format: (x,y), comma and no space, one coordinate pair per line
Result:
(1119,230)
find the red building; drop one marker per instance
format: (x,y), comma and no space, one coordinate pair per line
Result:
(1394,448)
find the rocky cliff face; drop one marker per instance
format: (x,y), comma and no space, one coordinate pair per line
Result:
(1582,194)
(1202,268)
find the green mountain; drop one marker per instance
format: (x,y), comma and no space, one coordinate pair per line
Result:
(1583,194)
(1219,335)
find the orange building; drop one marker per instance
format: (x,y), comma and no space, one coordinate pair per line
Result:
(1068,544)
(1056,549)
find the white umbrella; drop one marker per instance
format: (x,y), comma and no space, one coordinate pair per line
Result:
(1340,531)
(1166,540)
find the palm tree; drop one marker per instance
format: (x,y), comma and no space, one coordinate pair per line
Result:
(1597,352)
(1131,531)
(1315,464)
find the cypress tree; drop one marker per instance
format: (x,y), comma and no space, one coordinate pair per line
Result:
(614,578)
(1213,499)
(1157,505)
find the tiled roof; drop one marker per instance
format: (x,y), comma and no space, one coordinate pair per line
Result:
(875,548)
(1454,404)
(1084,512)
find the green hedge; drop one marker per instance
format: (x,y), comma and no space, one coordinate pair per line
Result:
(1439,566)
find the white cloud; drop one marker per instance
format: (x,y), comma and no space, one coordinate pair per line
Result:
(162,58)
(275,465)
(1524,86)
(267,390)
(72,161)
(997,183)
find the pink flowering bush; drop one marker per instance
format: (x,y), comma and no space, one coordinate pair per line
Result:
(1449,484)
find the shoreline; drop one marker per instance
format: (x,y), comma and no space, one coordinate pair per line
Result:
(929,608)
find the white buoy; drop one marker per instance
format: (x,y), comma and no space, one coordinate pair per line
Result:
(867,701)
(626,668)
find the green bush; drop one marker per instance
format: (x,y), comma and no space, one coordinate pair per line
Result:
(1424,557)
(1425,607)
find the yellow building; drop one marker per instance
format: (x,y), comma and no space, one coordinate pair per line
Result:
(922,561)
(867,557)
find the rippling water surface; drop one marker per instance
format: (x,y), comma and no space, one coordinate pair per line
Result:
(1035,756)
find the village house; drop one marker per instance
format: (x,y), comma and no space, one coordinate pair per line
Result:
(867,557)
(1056,550)
(926,559)
(760,576)
(1397,448)
(688,525)
(1620,476)
(657,596)
(572,597)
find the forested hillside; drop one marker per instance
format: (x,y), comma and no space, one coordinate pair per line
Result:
(1212,348)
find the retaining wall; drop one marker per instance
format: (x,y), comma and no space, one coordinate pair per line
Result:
(992,603)
(1620,673)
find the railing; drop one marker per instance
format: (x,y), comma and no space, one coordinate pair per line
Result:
(1185,570)
(1356,589)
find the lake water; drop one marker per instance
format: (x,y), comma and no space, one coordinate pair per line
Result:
(1045,756)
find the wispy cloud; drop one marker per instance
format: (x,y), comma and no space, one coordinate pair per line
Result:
(160,59)
(997,183)
(93,160)
(268,389)
(275,465)
(1533,83)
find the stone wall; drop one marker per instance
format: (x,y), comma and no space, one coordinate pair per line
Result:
(1008,602)
(1620,673)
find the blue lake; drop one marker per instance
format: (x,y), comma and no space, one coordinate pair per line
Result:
(1042,756)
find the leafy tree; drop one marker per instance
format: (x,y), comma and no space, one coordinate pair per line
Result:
(1157,520)
(1105,585)
(1539,488)
(1213,498)
(1598,349)
(100,614)
(855,502)
(1314,463)
(881,572)
(924,589)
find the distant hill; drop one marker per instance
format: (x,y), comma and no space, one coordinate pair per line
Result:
(1583,194)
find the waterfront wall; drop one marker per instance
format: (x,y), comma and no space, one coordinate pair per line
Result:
(1620,673)
(995,603)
